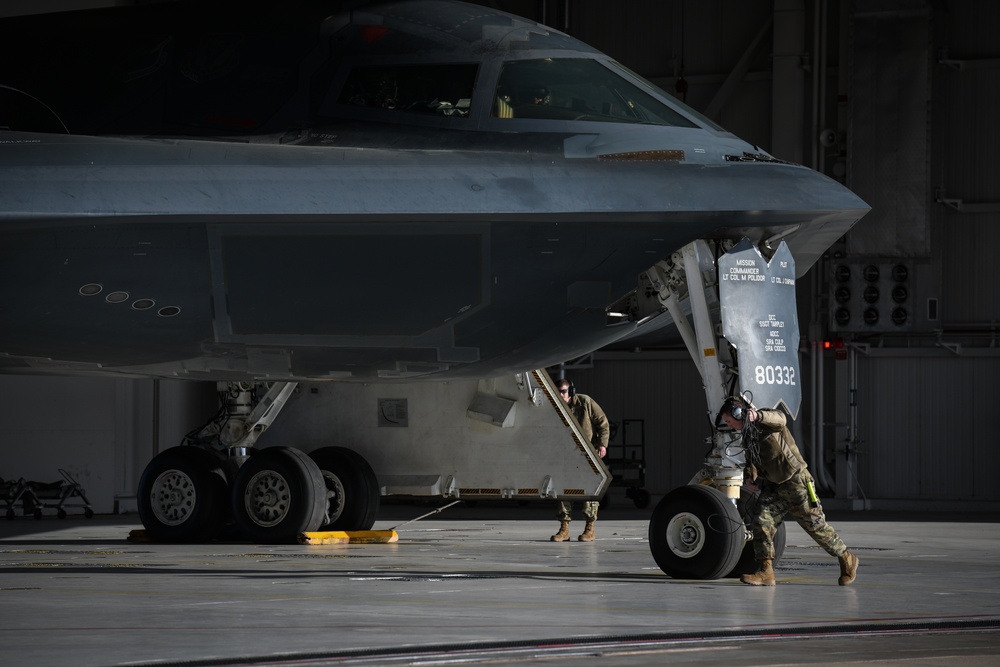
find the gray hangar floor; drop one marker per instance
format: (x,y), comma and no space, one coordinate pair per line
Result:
(484,585)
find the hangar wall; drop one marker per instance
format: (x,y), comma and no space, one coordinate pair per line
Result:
(81,425)
(917,439)
(102,431)
(965,175)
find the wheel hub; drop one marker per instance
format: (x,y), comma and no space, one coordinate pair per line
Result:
(268,497)
(173,497)
(685,535)
(334,496)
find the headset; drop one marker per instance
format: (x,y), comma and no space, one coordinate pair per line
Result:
(734,406)
(747,433)
(736,409)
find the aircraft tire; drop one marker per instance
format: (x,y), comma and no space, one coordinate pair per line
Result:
(182,495)
(695,533)
(278,494)
(747,563)
(352,489)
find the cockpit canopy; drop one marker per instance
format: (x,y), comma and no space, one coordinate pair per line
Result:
(547,88)
(460,62)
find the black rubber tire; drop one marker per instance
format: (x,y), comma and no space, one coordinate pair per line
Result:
(747,563)
(278,494)
(182,496)
(351,486)
(695,533)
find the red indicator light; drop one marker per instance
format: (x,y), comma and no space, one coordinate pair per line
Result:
(373,33)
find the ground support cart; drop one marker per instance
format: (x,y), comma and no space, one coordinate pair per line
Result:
(34,496)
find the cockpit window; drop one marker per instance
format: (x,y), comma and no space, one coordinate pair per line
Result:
(577,89)
(690,111)
(442,90)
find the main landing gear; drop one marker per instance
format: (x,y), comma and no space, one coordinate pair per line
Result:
(192,492)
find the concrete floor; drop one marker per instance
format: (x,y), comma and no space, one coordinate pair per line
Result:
(484,584)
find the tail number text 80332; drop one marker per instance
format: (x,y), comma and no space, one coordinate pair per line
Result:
(775,375)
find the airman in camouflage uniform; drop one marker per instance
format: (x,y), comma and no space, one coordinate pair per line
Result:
(786,487)
(595,428)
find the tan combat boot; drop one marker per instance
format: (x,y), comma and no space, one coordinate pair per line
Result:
(848,568)
(588,532)
(563,533)
(764,576)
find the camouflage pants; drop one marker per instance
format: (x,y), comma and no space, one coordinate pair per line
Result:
(791,498)
(590,507)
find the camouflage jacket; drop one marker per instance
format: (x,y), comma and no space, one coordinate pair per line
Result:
(776,457)
(593,422)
